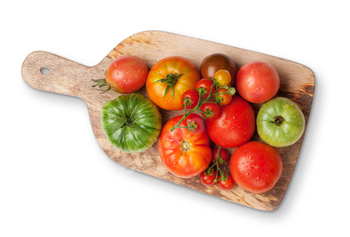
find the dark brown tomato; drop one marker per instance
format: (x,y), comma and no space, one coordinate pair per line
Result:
(214,62)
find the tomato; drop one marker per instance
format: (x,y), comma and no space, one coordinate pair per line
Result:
(126,74)
(256,167)
(168,79)
(132,123)
(223,77)
(225,96)
(223,154)
(257,81)
(212,110)
(280,122)
(208,179)
(235,126)
(184,153)
(190,98)
(214,62)
(226,184)
(206,84)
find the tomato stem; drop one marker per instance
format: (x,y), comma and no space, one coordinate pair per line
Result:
(170,80)
(278,120)
(211,98)
(219,161)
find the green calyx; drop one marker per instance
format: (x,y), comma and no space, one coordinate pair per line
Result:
(171,80)
(101,83)
(278,120)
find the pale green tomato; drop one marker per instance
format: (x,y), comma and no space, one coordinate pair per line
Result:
(280,122)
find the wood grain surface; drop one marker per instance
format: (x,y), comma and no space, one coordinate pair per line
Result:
(70,78)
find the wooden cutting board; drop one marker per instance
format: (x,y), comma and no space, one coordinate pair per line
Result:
(70,78)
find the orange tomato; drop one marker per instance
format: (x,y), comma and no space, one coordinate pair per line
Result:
(168,79)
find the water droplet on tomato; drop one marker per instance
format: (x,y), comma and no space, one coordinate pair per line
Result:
(257,88)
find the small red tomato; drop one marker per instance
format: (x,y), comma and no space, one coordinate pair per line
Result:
(126,74)
(257,81)
(212,110)
(190,97)
(223,154)
(206,84)
(208,179)
(226,98)
(226,184)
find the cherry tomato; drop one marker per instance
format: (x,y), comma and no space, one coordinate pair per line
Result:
(214,62)
(206,83)
(192,97)
(256,167)
(226,98)
(257,81)
(227,184)
(126,74)
(213,109)
(208,180)
(235,125)
(184,153)
(223,77)
(223,154)
(168,79)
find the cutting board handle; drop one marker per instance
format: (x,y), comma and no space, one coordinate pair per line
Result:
(49,72)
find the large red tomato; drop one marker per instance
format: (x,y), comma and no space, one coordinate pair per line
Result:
(256,167)
(168,79)
(184,153)
(235,125)
(126,74)
(257,81)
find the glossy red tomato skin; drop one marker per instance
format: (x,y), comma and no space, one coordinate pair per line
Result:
(178,161)
(227,184)
(257,81)
(223,154)
(256,167)
(208,180)
(215,108)
(126,74)
(206,83)
(193,96)
(235,126)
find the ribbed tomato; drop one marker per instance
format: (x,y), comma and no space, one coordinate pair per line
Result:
(169,79)
(184,153)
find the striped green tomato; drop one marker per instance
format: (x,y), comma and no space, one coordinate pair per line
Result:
(131,122)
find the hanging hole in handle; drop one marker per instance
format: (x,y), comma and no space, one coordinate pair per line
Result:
(45,70)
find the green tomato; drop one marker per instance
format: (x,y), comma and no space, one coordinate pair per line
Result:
(280,122)
(131,122)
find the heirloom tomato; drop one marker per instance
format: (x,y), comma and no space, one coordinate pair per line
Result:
(184,153)
(214,62)
(257,81)
(280,122)
(124,75)
(235,125)
(168,79)
(256,167)
(131,122)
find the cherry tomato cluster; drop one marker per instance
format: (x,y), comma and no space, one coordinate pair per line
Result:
(214,174)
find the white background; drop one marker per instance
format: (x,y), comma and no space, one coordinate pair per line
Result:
(55,180)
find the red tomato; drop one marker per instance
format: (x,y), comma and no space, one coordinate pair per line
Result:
(192,97)
(257,81)
(256,167)
(168,79)
(227,184)
(126,74)
(226,98)
(183,153)
(208,180)
(205,83)
(212,108)
(235,126)
(223,154)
